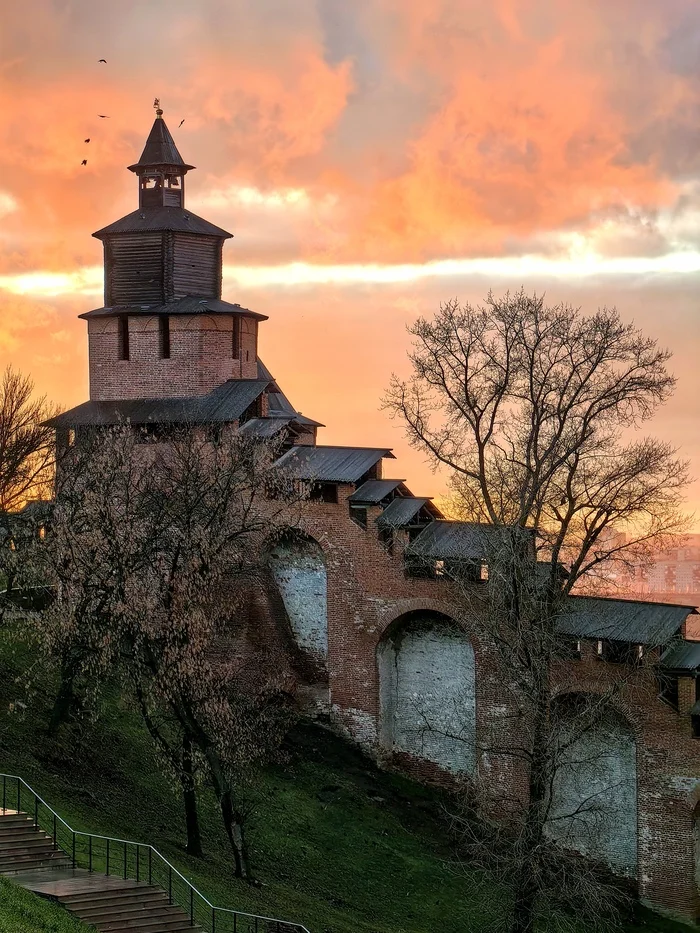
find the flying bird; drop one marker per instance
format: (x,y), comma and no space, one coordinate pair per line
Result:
(84,162)
(180,124)
(103,116)
(103,60)
(87,140)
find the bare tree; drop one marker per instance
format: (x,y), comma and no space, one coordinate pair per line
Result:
(534,411)
(26,445)
(154,549)
(26,473)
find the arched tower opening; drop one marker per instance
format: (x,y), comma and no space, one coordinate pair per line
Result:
(299,570)
(593,808)
(427,677)
(696,852)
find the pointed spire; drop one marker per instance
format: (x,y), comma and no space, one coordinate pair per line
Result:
(160,148)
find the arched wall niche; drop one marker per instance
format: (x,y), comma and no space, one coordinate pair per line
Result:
(593,808)
(298,568)
(427,682)
(696,850)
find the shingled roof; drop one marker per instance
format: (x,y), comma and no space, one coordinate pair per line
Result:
(160,149)
(374,490)
(225,404)
(444,539)
(684,656)
(401,511)
(187,305)
(331,464)
(627,620)
(177,219)
(264,427)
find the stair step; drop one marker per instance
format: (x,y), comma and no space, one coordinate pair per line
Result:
(23,862)
(19,867)
(115,893)
(121,905)
(15,819)
(178,927)
(7,835)
(10,855)
(24,842)
(36,852)
(145,926)
(151,913)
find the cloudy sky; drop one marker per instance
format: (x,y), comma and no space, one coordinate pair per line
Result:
(372,158)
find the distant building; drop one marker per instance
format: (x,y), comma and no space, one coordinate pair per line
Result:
(363,596)
(672,577)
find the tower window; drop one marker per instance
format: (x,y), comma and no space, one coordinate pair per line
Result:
(359,515)
(164,337)
(236,339)
(668,688)
(123,337)
(324,492)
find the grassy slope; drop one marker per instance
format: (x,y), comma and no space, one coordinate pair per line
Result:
(22,912)
(336,844)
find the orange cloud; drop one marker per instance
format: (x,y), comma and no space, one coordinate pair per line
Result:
(408,132)
(439,128)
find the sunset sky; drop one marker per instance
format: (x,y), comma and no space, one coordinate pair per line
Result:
(372,158)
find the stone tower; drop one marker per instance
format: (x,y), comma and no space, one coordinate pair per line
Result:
(164,330)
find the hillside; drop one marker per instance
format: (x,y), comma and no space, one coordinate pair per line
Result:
(21,912)
(335,843)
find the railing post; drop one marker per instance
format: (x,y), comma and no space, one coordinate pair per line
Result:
(55,841)
(150,864)
(137,861)
(192,906)
(107,859)
(4,793)
(170,884)
(89,853)
(19,798)
(125,873)
(213,920)
(73,849)
(36,812)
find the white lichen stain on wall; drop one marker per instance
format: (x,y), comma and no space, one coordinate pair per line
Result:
(357,724)
(428,707)
(594,804)
(300,574)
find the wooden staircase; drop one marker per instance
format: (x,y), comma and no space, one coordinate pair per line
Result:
(23,847)
(116,885)
(112,905)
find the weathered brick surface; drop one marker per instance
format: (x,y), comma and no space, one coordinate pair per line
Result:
(368,595)
(368,600)
(200,357)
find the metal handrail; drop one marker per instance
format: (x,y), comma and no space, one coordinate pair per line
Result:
(278,926)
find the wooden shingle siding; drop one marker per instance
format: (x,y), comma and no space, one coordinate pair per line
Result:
(134,273)
(196,265)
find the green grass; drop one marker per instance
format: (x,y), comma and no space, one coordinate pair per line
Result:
(22,912)
(336,844)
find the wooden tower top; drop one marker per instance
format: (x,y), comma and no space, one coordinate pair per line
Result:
(161,169)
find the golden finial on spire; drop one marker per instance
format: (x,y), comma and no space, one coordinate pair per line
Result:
(156,104)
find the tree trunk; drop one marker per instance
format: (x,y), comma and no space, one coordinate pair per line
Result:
(189,794)
(233,818)
(65,701)
(526,885)
(233,821)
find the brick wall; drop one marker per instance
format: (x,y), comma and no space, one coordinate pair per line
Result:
(369,595)
(200,357)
